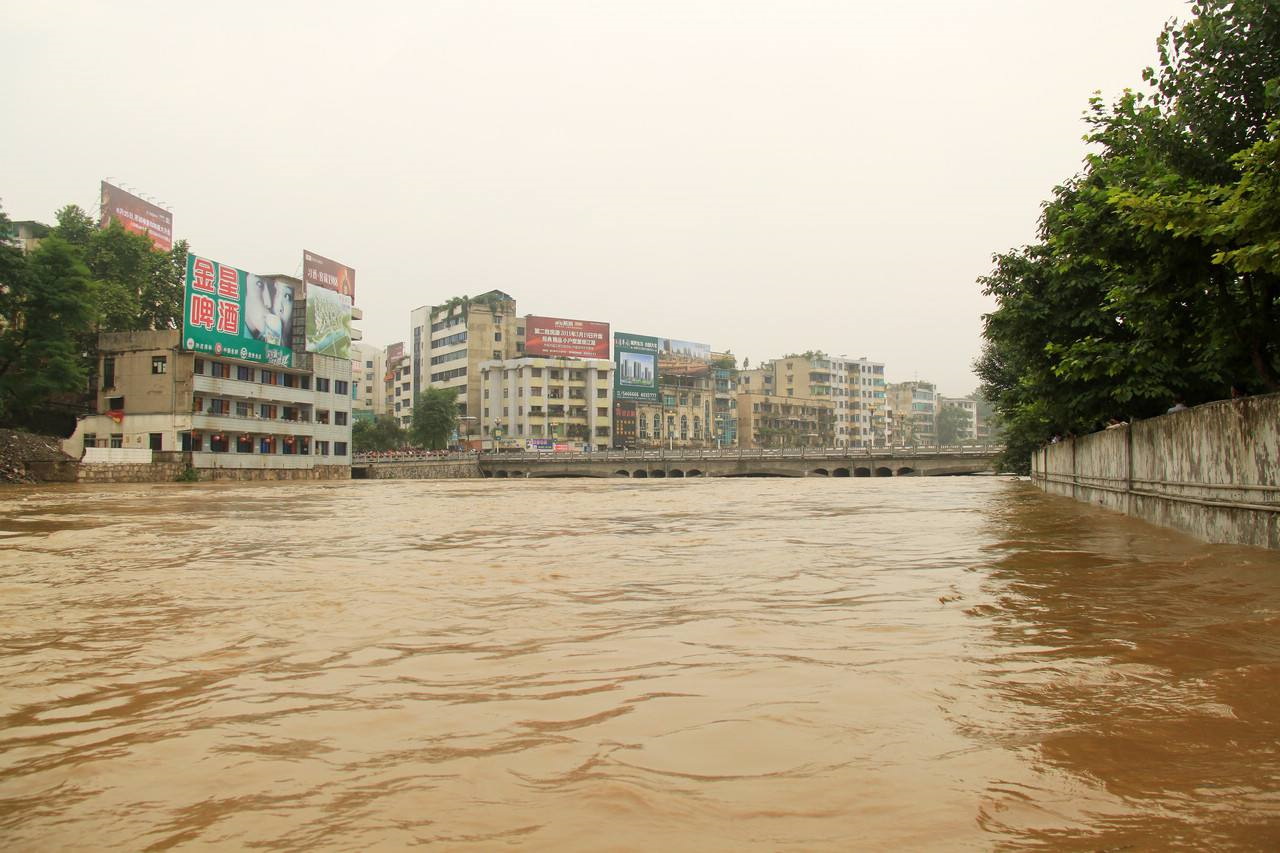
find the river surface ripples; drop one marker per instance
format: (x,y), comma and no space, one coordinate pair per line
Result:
(920,663)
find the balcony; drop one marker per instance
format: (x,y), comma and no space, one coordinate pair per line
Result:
(207,421)
(208,386)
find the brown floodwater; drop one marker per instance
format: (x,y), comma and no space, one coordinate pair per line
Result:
(759,664)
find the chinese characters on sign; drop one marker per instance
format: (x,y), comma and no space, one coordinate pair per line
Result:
(553,337)
(320,271)
(229,312)
(137,216)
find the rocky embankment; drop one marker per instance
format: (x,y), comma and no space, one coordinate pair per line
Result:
(18,449)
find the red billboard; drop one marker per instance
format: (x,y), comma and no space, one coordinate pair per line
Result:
(137,216)
(555,337)
(331,275)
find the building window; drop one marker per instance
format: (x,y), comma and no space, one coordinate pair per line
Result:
(339,448)
(90,439)
(244,373)
(268,377)
(322,384)
(340,418)
(117,439)
(322,448)
(322,416)
(218,443)
(267,410)
(497,336)
(159,364)
(603,411)
(221,370)
(108,373)
(199,367)
(242,410)
(115,404)
(341,386)
(244,444)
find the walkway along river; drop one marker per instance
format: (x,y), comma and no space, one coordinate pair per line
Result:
(712,664)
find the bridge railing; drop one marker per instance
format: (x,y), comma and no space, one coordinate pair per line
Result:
(688,455)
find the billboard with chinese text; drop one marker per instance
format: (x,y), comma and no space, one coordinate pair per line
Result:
(635,360)
(137,216)
(554,337)
(328,322)
(683,358)
(624,424)
(231,313)
(331,275)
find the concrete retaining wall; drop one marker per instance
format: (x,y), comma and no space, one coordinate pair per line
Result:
(1212,471)
(319,472)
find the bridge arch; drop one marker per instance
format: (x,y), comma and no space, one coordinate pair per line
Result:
(862,472)
(694,472)
(676,472)
(840,472)
(622,472)
(884,472)
(904,471)
(657,474)
(820,472)
(640,475)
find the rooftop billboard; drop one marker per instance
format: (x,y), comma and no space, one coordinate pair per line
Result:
(320,271)
(636,362)
(231,313)
(137,216)
(555,337)
(328,322)
(683,358)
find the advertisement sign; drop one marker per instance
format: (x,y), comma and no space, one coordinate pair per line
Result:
(636,367)
(229,312)
(137,216)
(624,424)
(328,322)
(683,358)
(395,352)
(540,445)
(554,337)
(331,275)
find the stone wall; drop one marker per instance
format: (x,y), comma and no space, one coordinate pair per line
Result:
(1212,471)
(129,472)
(319,472)
(430,469)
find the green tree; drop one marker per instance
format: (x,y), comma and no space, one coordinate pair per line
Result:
(1146,283)
(953,423)
(382,433)
(435,417)
(45,307)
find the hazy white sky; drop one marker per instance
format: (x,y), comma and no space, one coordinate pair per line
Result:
(761,176)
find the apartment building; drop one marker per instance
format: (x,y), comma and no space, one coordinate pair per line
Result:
(862,402)
(449,342)
(538,403)
(725,399)
(772,421)
(227,414)
(969,432)
(915,404)
(367,389)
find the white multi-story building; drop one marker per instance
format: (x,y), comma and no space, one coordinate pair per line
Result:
(533,401)
(970,408)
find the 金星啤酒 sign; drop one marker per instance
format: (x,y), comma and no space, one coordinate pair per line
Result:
(234,314)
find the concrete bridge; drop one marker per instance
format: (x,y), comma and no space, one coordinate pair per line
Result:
(660,464)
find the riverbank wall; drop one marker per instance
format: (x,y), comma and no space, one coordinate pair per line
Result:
(463,468)
(1212,471)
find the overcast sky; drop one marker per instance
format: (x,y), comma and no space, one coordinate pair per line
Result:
(765,177)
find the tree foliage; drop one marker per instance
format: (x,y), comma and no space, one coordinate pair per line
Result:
(1155,274)
(435,417)
(953,422)
(45,300)
(382,433)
